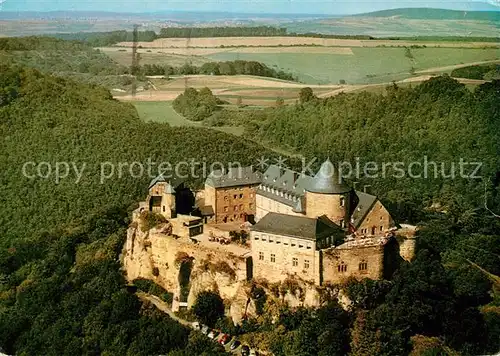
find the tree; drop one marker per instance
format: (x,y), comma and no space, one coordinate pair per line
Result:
(305,95)
(209,307)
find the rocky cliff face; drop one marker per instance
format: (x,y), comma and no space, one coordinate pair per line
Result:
(185,268)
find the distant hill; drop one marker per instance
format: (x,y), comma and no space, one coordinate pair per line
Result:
(435,14)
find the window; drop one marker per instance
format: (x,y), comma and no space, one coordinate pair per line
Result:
(342,267)
(226,198)
(273,257)
(271,239)
(241,196)
(363,266)
(226,209)
(261,256)
(250,205)
(264,237)
(241,206)
(293,243)
(342,223)
(309,246)
(342,201)
(286,242)
(306,264)
(301,245)
(381,228)
(295,262)
(256,237)
(163,208)
(278,240)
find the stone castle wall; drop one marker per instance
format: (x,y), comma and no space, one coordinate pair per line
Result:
(377,221)
(359,262)
(325,204)
(277,257)
(155,256)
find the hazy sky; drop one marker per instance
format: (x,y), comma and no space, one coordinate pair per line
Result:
(252,6)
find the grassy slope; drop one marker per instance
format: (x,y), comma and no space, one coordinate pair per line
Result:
(162,112)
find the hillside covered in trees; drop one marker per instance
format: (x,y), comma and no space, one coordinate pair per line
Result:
(61,289)
(439,121)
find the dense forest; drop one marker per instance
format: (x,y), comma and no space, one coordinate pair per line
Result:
(61,289)
(446,302)
(102,39)
(440,121)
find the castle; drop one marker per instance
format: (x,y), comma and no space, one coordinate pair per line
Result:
(315,228)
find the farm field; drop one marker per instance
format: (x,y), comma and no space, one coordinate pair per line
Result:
(224,43)
(163,112)
(355,62)
(123,56)
(366,65)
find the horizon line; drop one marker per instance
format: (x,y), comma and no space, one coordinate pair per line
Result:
(236,12)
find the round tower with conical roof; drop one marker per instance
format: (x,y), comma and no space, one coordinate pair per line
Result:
(327,194)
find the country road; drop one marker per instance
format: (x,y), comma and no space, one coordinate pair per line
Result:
(161,305)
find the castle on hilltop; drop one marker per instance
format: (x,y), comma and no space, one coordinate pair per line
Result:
(316,228)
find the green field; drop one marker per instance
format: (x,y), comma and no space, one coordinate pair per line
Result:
(367,65)
(162,112)
(123,56)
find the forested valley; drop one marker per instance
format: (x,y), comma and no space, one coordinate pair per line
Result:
(61,288)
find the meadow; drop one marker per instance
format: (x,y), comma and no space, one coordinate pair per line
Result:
(162,112)
(366,65)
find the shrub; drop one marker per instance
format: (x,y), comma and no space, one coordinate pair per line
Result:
(208,308)
(150,220)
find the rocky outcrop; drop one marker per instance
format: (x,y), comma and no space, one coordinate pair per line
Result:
(156,256)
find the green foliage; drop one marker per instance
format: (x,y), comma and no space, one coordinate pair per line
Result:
(149,220)
(237,67)
(191,32)
(442,123)
(196,105)
(323,331)
(239,237)
(67,301)
(487,72)
(148,286)
(306,95)
(61,287)
(199,344)
(101,39)
(208,308)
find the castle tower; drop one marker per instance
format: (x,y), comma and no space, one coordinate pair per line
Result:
(162,197)
(168,208)
(329,195)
